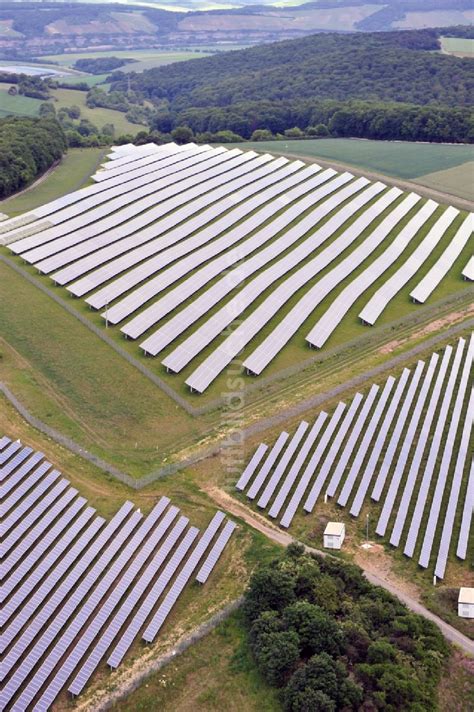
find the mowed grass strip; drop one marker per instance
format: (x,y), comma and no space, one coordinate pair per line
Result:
(71,174)
(75,383)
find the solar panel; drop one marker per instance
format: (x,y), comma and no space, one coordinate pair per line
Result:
(27,520)
(161,183)
(236,275)
(399,426)
(408,440)
(218,250)
(144,292)
(290,323)
(23,471)
(177,210)
(282,464)
(101,218)
(422,440)
(121,252)
(87,635)
(249,327)
(77,620)
(215,553)
(101,550)
(294,470)
(454,421)
(435,445)
(352,440)
(145,608)
(467,512)
(4,441)
(15,462)
(376,450)
(249,471)
(444,263)
(366,440)
(34,499)
(34,602)
(22,489)
(183,577)
(322,330)
(410,267)
(310,468)
(9,451)
(39,561)
(448,524)
(332,454)
(267,465)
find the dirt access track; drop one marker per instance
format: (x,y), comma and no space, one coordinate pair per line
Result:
(232,506)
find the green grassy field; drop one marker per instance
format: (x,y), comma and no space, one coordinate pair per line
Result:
(459,46)
(458,180)
(99,116)
(145,59)
(393,158)
(25,106)
(215,673)
(17,105)
(76,166)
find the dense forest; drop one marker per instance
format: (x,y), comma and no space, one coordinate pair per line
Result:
(329,640)
(402,87)
(28,147)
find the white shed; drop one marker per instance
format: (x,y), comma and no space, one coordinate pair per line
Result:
(334,535)
(466,603)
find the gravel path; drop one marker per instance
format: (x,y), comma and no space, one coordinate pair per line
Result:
(234,507)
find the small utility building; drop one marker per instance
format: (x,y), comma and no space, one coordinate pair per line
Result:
(334,535)
(466,603)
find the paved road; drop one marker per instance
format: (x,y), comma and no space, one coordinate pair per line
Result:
(234,507)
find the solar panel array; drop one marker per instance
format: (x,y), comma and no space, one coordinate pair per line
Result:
(404,449)
(175,243)
(76,589)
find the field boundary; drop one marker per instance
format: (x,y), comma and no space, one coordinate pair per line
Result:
(181,646)
(251,430)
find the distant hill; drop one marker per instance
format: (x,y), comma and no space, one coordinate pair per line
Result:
(305,82)
(47,27)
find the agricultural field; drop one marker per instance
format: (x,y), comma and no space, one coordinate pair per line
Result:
(145,59)
(457,46)
(434,18)
(449,166)
(17,105)
(306,19)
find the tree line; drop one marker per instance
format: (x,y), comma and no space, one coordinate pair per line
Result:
(375,120)
(28,147)
(329,640)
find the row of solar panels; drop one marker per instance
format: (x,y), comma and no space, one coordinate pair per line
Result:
(408,442)
(77,589)
(168,232)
